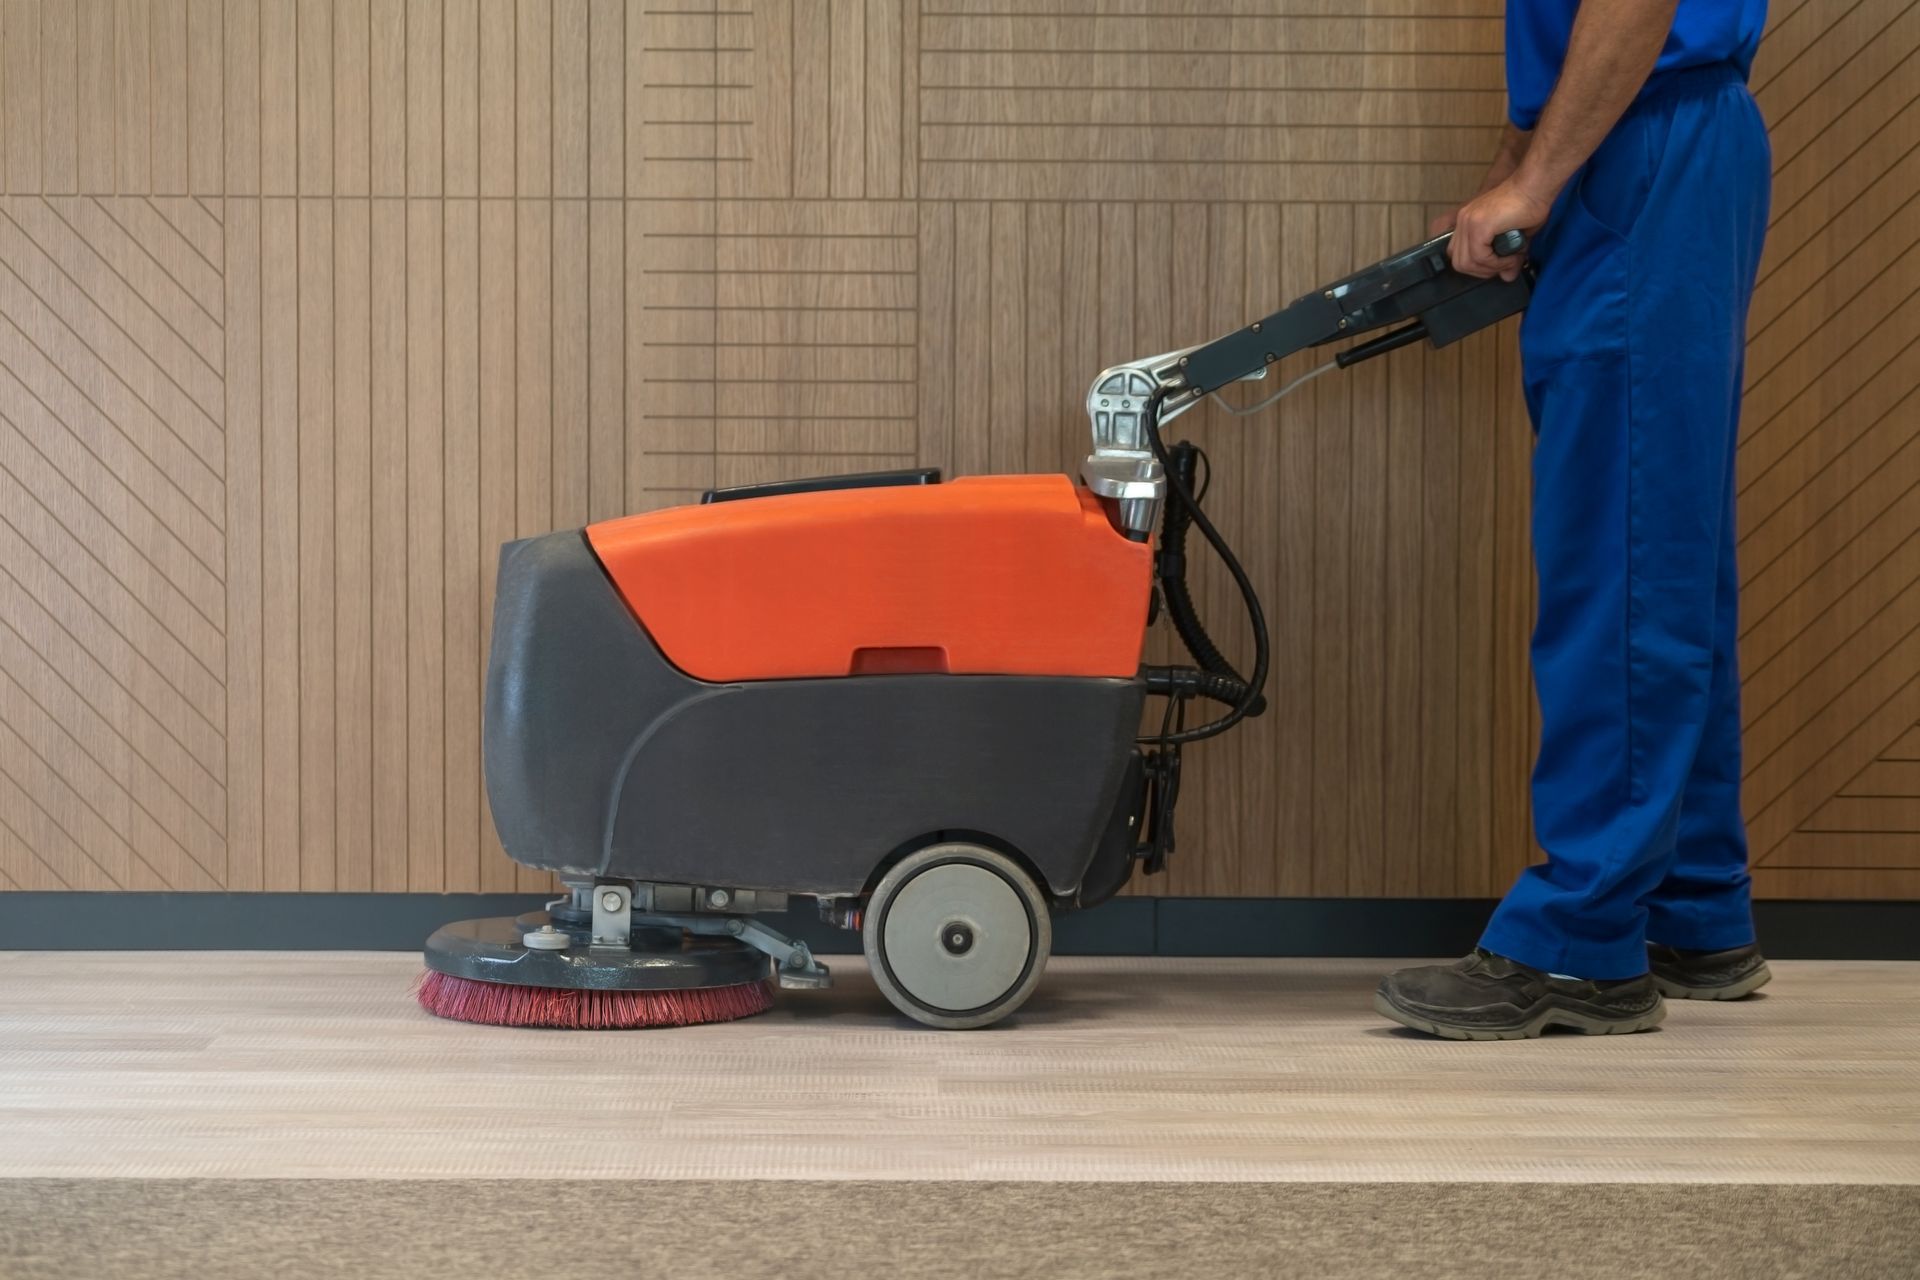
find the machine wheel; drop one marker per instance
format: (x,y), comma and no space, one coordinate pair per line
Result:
(957,935)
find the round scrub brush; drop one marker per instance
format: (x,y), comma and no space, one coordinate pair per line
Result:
(534,972)
(502,1004)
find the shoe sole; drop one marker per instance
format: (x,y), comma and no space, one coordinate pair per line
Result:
(1528,1030)
(1745,986)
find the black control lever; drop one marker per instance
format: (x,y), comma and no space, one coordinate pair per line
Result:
(1381,345)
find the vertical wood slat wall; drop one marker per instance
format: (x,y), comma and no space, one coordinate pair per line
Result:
(307,305)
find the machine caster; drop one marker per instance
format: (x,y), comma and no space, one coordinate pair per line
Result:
(957,935)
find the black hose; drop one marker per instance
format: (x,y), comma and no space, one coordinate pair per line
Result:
(1175,520)
(1186,681)
(1256,616)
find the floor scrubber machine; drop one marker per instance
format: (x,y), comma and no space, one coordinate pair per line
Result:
(916,702)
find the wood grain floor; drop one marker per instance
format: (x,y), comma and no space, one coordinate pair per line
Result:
(319,1065)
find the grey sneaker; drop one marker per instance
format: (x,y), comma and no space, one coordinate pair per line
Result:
(1708,975)
(1489,997)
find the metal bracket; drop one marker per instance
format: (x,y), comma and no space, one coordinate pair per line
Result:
(794,965)
(612,915)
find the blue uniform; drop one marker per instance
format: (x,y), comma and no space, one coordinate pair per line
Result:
(1704,32)
(1632,358)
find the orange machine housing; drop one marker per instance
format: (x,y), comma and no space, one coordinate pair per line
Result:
(1002,575)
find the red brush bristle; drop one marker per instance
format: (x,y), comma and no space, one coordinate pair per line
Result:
(501,1004)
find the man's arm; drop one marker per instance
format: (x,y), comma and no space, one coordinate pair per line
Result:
(1513,149)
(1609,56)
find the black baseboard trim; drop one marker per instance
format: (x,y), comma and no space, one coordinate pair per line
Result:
(1386,927)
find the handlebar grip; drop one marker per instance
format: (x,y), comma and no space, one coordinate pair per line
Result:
(1508,243)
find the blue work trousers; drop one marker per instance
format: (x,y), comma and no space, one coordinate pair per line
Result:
(1632,355)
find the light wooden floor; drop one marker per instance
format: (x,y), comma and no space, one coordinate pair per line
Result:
(319,1065)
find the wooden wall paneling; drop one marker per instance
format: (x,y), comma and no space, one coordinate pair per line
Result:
(168,126)
(1291,685)
(134,364)
(280,542)
(1084,334)
(354,550)
(241,117)
(244,722)
(313,505)
(606,361)
(1511,843)
(278,82)
(673,264)
(1005,274)
(881,35)
(1887,776)
(937,280)
(1441,672)
(425,541)
(1872,111)
(1473,874)
(497,457)
(58,76)
(426,98)
(607,97)
(847,98)
(1401,748)
(1239,275)
(391,343)
(1840,614)
(1256,809)
(1045,372)
(206,99)
(532,62)
(387,114)
(1796,67)
(1332,587)
(534,338)
(96,98)
(307,305)
(634,444)
(811,142)
(21,53)
(974,397)
(464,561)
(460,107)
(1146,327)
(1366,605)
(571,87)
(910,99)
(1165,245)
(571,336)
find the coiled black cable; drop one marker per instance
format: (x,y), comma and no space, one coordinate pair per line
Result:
(1181,610)
(1256,616)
